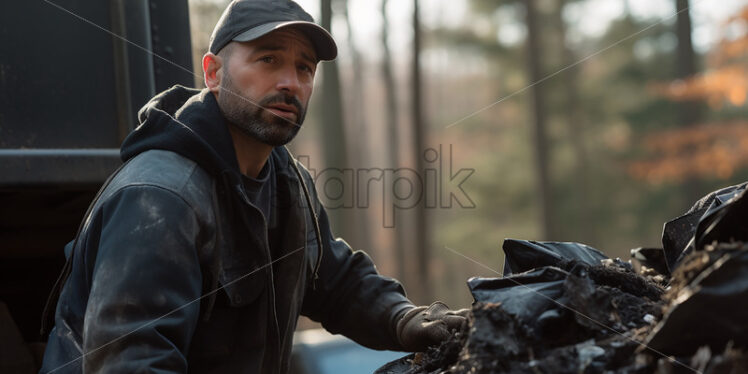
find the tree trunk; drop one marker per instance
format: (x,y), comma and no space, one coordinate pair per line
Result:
(689,112)
(359,142)
(422,242)
(333,136)
(576,123)
(534,56)
(390,110)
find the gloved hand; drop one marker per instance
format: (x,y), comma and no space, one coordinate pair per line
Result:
(424,326)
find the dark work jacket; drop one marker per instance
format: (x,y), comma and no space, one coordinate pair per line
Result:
(170,270)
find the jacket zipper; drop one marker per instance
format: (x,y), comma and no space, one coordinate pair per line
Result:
(315,223)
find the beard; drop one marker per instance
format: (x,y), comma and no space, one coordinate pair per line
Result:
(252,119)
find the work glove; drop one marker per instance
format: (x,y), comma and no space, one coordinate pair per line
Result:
(425,326)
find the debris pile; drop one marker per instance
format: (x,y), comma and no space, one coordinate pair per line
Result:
(568,308)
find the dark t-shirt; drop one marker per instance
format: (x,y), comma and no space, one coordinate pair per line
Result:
(260,190)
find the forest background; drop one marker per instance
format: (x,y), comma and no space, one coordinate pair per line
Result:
(592,121)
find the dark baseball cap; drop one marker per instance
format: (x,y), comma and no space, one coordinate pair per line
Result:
(245,20)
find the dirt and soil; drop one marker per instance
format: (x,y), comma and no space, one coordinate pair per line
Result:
(600,324)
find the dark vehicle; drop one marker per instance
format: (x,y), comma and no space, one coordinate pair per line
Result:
(73,74)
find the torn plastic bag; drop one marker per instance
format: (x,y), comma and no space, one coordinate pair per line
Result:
(711,310)
(524,255)
(725,223)
(678,234)
(526,295)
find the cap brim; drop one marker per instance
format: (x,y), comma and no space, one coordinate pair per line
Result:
(323,42)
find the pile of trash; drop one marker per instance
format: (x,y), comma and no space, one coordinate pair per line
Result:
(568,308)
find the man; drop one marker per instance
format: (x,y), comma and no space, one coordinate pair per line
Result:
(201,252)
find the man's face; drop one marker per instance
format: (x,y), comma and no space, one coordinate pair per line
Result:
(266,85)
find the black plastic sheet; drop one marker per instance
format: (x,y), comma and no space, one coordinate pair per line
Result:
(692,230)
(526,296)
(724,223)
(524,255)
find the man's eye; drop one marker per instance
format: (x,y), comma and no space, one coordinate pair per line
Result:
(307,69)
(268,59)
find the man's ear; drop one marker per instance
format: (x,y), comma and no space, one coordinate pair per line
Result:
(212,71)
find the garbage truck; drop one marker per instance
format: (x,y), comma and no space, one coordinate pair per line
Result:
(73,74)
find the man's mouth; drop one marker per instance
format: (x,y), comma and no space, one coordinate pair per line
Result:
(283,110)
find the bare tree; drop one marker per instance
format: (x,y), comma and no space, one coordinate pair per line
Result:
(534,75)
(333,135)
(689,112)
(419,126)
(573,110)
(390,110)
(359,145)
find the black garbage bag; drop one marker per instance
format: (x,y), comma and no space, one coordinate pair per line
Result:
(724,223)
(678,234)
(524,255)
(708,302)
(526,296)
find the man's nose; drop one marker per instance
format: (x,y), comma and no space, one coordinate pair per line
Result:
(288,80)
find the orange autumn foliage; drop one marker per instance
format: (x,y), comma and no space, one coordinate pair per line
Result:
(726,78)
(728,84)
(711,150)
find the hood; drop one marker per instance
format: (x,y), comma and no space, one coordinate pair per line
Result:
(186,121)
